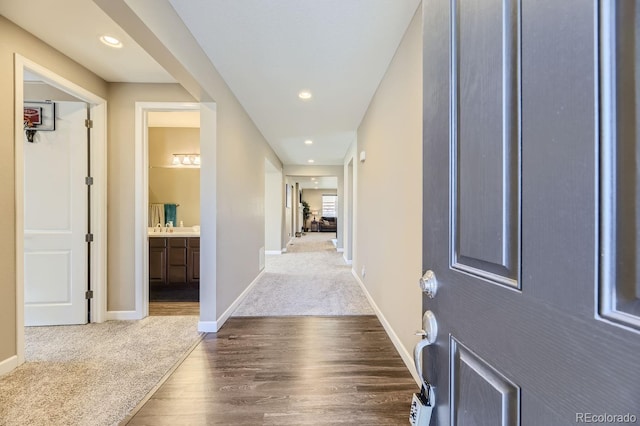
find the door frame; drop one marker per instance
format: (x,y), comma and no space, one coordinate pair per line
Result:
(273,221)
(98,207)
(141,253)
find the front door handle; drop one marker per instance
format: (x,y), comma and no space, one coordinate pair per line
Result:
(423,403)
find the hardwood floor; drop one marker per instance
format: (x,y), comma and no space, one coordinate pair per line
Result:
(287,371)
(174,308)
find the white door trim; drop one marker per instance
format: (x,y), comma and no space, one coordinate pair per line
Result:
(142,202)
(99,194)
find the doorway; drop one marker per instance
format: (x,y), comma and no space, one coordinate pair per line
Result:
(90,269)
(55,206)
(206,210)
(349,201)
(174,212)
(272,209)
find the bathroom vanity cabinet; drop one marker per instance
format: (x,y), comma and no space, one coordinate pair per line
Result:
(174,267)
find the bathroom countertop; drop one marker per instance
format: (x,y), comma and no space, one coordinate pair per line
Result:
(176,232)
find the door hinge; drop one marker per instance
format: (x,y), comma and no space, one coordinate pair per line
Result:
(88,180)
(88,294)
(88,238)
(88,124)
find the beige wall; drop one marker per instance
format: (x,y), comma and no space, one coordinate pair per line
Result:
(121,194)
(239,236)
(389,191)
(15,40)
(175,184)
(241,152)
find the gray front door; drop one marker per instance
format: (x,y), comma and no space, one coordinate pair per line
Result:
(531,210)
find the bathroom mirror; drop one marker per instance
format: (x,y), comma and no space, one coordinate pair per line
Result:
(172,183)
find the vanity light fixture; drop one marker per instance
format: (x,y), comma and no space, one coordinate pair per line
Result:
(305,95)
(185,160)
(111,41)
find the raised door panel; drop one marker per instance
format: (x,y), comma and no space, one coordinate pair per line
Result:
(486,139)
(620,201)
(480,394)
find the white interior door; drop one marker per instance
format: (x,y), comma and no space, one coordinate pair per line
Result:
(55,221)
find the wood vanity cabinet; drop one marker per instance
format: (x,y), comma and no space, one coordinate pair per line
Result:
(174,260)
(177,260)
(193,260)
(157,260)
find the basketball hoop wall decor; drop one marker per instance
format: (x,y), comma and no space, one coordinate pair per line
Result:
(39,116)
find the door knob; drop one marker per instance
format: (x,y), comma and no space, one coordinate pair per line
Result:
(429,284)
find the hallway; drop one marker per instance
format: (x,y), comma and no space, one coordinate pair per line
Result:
(304,348)
(311,278)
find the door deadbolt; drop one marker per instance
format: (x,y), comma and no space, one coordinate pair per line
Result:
(429,284)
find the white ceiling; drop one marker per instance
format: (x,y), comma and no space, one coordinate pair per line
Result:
(74,28)
(267,51)
(320,182)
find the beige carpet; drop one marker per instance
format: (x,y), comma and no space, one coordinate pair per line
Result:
(92,374)
(311,278)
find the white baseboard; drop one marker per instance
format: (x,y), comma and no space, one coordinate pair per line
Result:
(226,314)
(407,358)
(340,250)
(208,326)
(284,250)
(273,252)
(347,261)
(8,365)
(122,315)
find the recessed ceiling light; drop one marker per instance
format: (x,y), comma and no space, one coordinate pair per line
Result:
(305,94)
(310,161)
(308,142)
(111,41)
(313,178)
